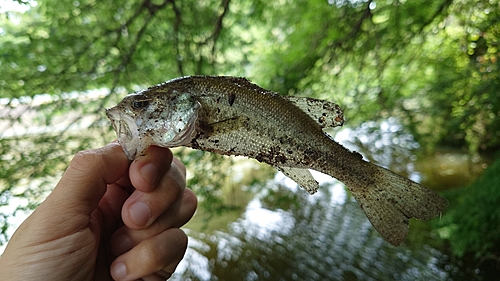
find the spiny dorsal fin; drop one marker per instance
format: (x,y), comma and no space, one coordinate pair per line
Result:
(326,114)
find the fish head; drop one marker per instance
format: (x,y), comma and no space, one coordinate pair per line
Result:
(143,119)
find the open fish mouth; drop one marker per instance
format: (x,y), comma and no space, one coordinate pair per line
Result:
(127,131)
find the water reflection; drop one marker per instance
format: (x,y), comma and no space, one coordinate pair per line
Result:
(304,239)
(286,234)
(385,143)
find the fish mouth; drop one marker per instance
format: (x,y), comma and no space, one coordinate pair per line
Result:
(126,130)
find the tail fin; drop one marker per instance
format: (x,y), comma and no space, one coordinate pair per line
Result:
(392,200)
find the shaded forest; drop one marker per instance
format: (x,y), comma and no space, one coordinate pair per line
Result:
(432,66)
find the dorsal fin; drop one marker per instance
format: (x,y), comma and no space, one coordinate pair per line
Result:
(326,114)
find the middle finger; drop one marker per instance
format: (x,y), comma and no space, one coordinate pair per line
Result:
(142,208)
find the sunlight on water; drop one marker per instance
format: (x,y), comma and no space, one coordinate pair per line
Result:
(264,221)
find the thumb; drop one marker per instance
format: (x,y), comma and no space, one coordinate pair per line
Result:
(85,181)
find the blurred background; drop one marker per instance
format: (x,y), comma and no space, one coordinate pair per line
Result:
(418,81)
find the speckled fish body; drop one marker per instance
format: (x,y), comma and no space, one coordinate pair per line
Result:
(232,116)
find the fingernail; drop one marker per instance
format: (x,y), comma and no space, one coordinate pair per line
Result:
(140,213)
(119,270)
(121,244)
(149,173)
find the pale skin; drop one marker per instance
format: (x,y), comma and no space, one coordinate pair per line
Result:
(107,219)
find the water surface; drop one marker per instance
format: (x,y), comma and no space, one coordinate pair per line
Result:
(283,233)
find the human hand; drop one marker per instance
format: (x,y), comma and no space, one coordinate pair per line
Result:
(106,219)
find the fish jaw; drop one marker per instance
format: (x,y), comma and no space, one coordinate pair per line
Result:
(126,130)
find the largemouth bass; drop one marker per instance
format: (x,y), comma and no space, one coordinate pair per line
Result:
(232,116)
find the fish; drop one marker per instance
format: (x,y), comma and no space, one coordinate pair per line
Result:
(233,116)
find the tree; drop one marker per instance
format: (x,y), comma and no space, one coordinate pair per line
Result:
(432,65)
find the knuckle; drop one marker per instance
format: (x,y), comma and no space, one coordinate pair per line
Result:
(190,200)
(178,238)
(177,176)
(84,156)
(180,166)
(156,254)
(86,159)
(93,161)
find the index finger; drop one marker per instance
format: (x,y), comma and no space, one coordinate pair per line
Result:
(147,170)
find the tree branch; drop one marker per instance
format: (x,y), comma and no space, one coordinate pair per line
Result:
(177,24)
(218,27)
(218,24)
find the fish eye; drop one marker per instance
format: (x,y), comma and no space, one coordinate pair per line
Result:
(139,104)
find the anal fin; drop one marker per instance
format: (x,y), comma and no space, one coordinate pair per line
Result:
(302,177)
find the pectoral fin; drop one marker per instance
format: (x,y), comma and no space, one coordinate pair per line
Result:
(224,126)
(326,114)
(302,177)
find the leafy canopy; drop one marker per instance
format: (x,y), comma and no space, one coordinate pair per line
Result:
(432,65)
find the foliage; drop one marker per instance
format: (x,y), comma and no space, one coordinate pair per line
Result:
(422,65)
(431,65)
(211,184)
(472,224)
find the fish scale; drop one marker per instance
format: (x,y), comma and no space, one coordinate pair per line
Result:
(232,116)
(275,119)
